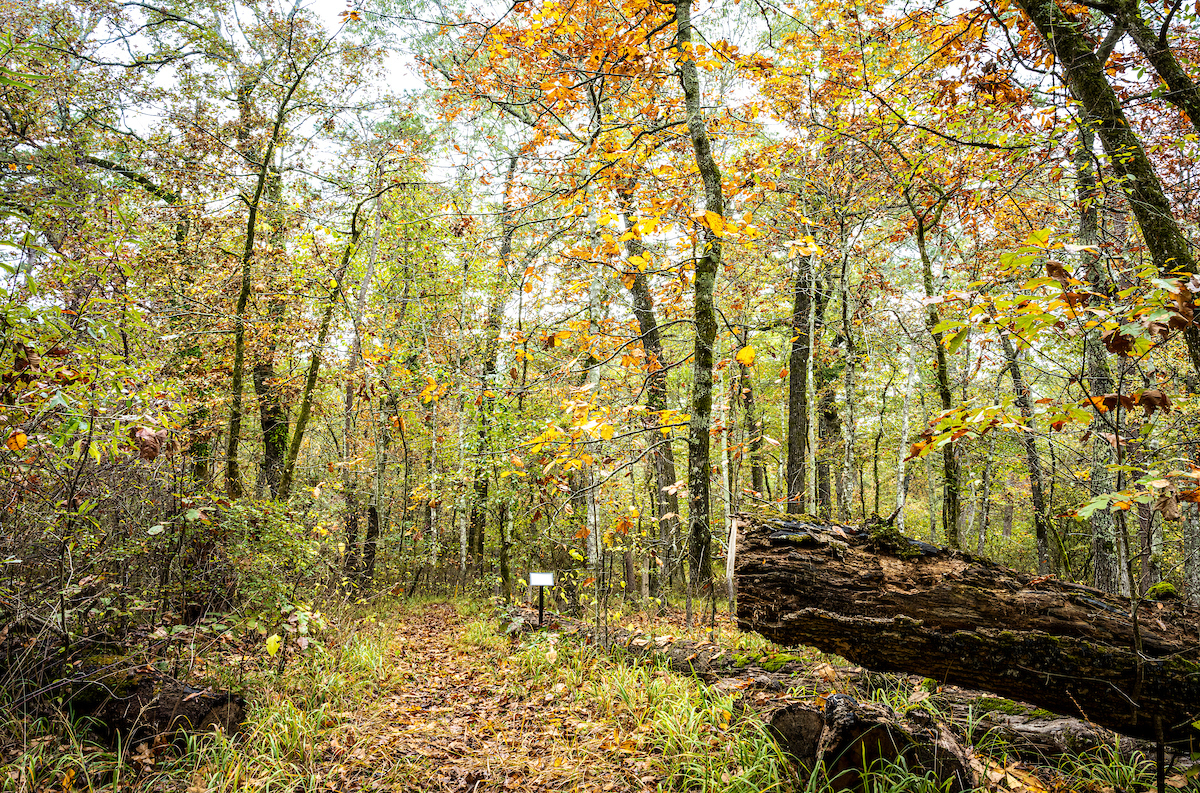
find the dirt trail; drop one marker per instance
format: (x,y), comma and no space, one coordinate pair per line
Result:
(448,718)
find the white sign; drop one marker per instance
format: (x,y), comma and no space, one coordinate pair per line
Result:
(541,579)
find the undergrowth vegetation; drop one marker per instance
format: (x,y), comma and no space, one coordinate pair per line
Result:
(374,701)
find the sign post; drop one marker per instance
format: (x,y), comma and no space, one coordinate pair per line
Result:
(541,581)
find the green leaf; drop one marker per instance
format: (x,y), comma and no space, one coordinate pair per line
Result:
(1099,502)
(157,528)
(945,325)
(956,340)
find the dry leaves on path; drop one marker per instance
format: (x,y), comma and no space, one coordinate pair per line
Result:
(447,718)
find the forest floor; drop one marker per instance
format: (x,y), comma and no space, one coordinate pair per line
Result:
(435,696)
(456,713)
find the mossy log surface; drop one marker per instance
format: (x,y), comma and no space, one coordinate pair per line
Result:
(898,605)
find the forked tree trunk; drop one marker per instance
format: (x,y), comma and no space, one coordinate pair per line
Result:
(1099,104)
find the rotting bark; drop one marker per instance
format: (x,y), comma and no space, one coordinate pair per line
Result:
(768,682)
(125,698)
(894,604)
(151,704)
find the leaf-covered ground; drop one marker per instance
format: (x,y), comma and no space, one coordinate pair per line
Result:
(435,697)
(456,712)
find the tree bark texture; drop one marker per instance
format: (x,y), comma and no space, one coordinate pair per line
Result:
(898,605)
(708,264)
(797,437)
(272,412)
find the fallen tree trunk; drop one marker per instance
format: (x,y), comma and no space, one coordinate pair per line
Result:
(894,604)
(142,704)
(121,695)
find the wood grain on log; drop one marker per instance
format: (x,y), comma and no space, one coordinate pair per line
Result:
(894,604)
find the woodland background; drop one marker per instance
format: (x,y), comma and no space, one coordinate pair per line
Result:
(282,323)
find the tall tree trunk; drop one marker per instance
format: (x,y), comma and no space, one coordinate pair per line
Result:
(487,380)
(314,365)
(708,265)
(849,430)
(349,486)
(901,476)
(753,424)
(662,457)
(233,470)
(1106,564)
(1149,547)
(829,432)
(1089,84)
(727,485)
(883,400)
(1033,462)
(272,413)
(927,220)
(505,520)
(263,165)
(986,496)
(797,410)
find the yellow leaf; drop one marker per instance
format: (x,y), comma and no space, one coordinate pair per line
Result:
(745,356)
(273,642)
(715,222)
(607,432)
(16,442)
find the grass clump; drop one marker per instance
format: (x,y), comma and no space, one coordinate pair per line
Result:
(688,735)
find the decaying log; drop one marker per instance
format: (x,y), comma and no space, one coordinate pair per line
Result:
(894,604)
(1030,733)
(143,704)
(134,701)
(862,736)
